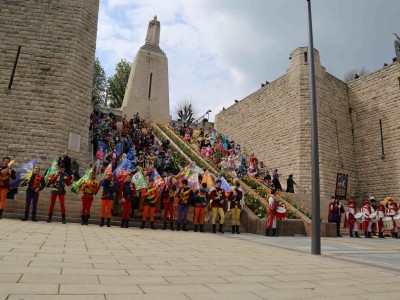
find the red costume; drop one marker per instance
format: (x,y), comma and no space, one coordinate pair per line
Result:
(149,206)
(5,176)
(349,220)
(168,202)
(381,215)
(366,211)
(89,188)
(272,206)
(58,181)
(393,211)
(128,191)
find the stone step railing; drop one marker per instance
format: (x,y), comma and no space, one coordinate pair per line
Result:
(253,225)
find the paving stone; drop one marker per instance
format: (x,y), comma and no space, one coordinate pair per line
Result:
(55,297)
(133,279)
(174,288)
(42,278)
(147,297)
(251,275)
(90,289)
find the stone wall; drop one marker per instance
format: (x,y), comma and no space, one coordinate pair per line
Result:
(274,123)
(51,93)
(372,98)
(267,123)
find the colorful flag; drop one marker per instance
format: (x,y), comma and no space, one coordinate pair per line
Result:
(158,181)
(193,182)
(122,171)
(76,185)
(183,174)
(225,186)
(108,170)
(139,180)
(209,179)
(23,174)
(53,169)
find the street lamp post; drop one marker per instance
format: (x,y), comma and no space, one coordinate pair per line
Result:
(316,236)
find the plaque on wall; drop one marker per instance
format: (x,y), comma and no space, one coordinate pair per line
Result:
(74,143)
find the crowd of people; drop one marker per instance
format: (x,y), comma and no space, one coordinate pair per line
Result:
(371,218)
(134,141)
(136,137)
(229,156)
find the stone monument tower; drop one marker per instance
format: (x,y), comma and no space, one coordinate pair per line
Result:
(147,91)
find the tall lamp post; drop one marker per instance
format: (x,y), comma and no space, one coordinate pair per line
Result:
(316,236)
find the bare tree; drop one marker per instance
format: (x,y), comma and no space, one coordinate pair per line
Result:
(354,74)
(186,111)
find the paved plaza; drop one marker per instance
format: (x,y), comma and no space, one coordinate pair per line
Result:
(55,261)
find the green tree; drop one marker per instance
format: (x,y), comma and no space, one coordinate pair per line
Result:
(186,111)
(99,86)
(118,82)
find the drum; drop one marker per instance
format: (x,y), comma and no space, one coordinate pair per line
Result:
(358,217)
(351,211)
(388,223)
(280,213)
(396,218)
(374,217)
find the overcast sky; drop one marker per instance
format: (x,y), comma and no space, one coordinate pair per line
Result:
(221,50)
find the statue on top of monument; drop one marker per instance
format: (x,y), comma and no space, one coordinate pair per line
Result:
(397,46)
(153,32)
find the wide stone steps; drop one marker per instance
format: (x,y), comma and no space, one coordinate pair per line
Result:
(15,209)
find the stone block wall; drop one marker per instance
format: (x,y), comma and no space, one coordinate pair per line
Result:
(274,123)
(372,98)
(51,92)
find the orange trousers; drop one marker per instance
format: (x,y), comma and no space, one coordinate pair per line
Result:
(106,203)
(199,212)
(147,209)
(3,196)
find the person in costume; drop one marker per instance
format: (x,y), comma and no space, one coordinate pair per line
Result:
(393,211)
(6,173)
(366,211)
(267,178)
(107,199)
(275,180)
(290,184)
(59,180)
(335,214)
(185,195)
(149,204)
(128,191)
(99,160)
(236,207)
(349,220)
(35,183)
(168,202)
(89,188)
(272,206)
(381,213)
(217,196)
(201,199)
(150,159)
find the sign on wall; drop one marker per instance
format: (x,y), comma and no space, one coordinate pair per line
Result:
(74,143)
(341,186)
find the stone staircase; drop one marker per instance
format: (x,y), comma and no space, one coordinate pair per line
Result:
(15,209)
(253,223)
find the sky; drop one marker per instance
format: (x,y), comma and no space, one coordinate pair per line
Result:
(222,50)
